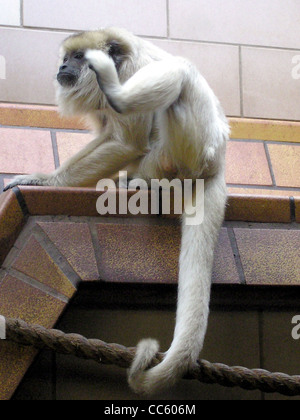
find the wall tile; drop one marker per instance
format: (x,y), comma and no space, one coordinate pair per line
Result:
(11,221)
(22,115)
(286,164)
(14,140)
(212,61)
(265,192)
(35,262)
(74,241)
(124,258)
(268,130)
(10,12)
(224,271)
(19,300)
(246,163)
(258,208)
(253,22)
(30,67)
(70,143)
(270,256)
(143,17)
(297,203)
(269,90)
(59,201)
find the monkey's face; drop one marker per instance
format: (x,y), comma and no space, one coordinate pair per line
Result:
(71,68)
(77,88)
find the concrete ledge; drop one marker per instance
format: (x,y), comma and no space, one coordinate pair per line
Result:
(53,241)
(242,128)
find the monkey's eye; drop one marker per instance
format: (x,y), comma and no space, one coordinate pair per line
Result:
(65,59)
(79,56)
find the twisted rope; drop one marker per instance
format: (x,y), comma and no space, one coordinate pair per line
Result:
(115,354)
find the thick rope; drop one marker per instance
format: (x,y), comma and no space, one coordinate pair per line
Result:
(115,354)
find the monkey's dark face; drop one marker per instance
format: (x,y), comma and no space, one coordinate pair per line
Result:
(71,68)
(78,86)
(74,61)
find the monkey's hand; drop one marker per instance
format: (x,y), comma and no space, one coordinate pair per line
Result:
(35,179)
(107,77)
(103,66)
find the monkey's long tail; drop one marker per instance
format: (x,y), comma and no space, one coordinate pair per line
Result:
(196,262)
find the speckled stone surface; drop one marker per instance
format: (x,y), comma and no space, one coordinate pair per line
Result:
(270,256)
(36,116)
(68,241)
(224,271)
(83,202)
(247,164)
(286,164)
(137,253)
(297,206)
(74,241)
(261,209)
(247,128)
(35,262)
(11,222)
(57,201)
(20,300)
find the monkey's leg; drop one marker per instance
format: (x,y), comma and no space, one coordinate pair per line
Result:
(157,85)
(103,162)
(96,161)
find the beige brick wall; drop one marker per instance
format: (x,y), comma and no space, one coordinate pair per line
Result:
(249,50)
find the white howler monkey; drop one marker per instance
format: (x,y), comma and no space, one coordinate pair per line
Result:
(151,112)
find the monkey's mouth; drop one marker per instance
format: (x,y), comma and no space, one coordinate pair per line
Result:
(66,79)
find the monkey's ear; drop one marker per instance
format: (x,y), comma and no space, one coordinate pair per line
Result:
(116,52)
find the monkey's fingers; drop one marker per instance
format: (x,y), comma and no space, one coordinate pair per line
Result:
(36,179)
(102,65)
(15,182)
(92,68)
(10,186)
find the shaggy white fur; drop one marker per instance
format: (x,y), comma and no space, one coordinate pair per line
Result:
(151,112)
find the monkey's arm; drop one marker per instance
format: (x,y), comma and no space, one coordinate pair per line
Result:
(157,85)
(96,161)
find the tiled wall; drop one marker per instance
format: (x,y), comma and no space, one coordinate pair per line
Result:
(252,166)
(249,50)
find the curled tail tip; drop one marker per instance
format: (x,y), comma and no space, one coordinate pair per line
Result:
(146,380)
(148,346)
(145,353)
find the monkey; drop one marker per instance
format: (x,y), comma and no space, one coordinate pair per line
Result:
(154,115)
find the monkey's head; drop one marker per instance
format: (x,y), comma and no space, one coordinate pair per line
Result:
(77,88)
